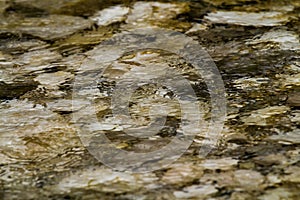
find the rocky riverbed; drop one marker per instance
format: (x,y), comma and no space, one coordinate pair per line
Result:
(47,47)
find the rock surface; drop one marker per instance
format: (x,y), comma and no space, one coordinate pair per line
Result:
(48,48)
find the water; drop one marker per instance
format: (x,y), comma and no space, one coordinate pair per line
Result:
(45,46)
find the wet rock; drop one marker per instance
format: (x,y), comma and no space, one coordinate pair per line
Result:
(145,14)
(53,80)
(240,196)
(237,138)
(285,40)
(196,28)
(254,5)
(80,42)
(295,116)
(182,173)
(293,156)
(248,18)
(277,194)
(3,6)
(289,81)
(223,179)
(15,45)
(270,160)
(273,179)
(292,137)
(223,2)
(86,8)
(65,105)
(51,6)
(41,155)
(16,89)
(250,83)
(248,179)
(221,164)
(196,191)
(48,27)
(33,133)
(38,58)
(102,179)
(262,116)
(294,99)
(293,174)
(24,10)
(110,15)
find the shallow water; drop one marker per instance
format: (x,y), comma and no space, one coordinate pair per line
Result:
(63,68)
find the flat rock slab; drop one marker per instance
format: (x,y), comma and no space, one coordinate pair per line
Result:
(48,28)
(248,18)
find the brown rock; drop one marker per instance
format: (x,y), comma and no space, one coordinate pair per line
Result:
(294,99)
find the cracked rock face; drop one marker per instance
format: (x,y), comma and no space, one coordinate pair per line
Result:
(47,46)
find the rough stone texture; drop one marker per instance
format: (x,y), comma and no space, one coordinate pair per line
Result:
(43,45)
(48,27)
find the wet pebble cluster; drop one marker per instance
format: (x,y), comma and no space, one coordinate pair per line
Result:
(255,45)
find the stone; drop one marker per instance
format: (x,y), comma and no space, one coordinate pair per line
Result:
(196,191)
(3,6)
(293,174)
(260,117)
(248,18)
(182,173)
(33,133)
(291,138)
(18,45)
(38,58)
(53,80)
(270,160)
(294,99)
(250,83)
(48,27)
(237,138)
(277,194)
(249,179)
(145,14)
(110,15)
(105,180)
(286,40)
(50,6)
(222,164)
(16,89)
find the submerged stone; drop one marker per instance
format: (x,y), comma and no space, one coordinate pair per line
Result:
(49,6)
(110,15)
(294,99)
(292,137)
(196,191)
(33,133)
(248,179)
(147,14)
(221,164)
(3,6)
(16,88)
(285,40)
(263,117)
(182,173)
(38,58)
(47,27)
(53,80)
(42,53)
(105,180)
(18,45)
(277,194)
(248,18)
